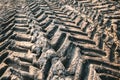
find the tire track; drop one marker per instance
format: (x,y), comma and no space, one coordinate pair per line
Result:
(54,42)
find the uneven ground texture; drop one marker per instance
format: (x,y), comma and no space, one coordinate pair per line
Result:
(60,40)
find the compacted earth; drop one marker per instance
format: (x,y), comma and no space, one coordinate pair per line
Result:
(59,40)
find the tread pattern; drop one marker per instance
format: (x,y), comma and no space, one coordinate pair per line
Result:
(51,40)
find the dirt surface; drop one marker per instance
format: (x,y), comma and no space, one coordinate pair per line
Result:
(60,40)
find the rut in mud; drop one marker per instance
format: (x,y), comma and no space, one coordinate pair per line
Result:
(60,40)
